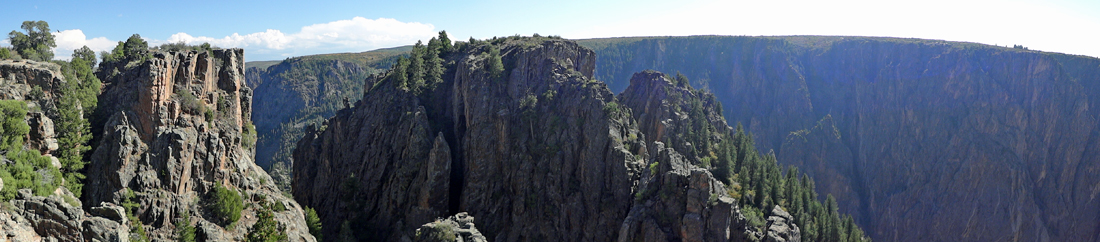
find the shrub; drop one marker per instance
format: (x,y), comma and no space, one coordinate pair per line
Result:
(27,168)
(313,222)
(226,205)
(189,102)
(137,231)
(266,228)
(185,232)
(248,138)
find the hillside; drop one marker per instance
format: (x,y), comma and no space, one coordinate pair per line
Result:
(918,139)
(904,131)
(515,133)
(293,93)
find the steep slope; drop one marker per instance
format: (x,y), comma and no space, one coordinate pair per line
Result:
(515,133)
(530,152)
(919,139)
(173,134)
(293,93)
(37,204)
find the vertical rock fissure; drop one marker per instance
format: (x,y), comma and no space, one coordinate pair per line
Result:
(458,167)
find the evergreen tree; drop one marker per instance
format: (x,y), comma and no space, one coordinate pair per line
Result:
(445,43)
(416,66)
(36,44)
(496,66)
(398,74)
(86,54)
(433,62)
(135,46)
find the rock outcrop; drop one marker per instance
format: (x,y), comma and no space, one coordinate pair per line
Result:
(535,155)
(59,217)
(459,227)
(682,202)
(540,152)
(173,129)
(38,83)
(918,139)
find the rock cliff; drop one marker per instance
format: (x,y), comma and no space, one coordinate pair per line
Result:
(296,92)
(537,151)
(173,128)
(533,155)
(55,213)
(918,139)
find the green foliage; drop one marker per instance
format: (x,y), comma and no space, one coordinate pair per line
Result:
(116,55)
(185,232)
(653,168)
(183,46)
(79,96)
(190,103)
(266,229)
(313,222)
(135,46)
(248,138)
(23,169)
(612,108)
(137,231)
(5,53)
(86,54)
(36,43)
(495,65)
(226,204)
(13,127)
(398,74)
(445,46)
(681,80)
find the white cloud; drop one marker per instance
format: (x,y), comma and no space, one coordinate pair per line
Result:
(352,35)
(69,40)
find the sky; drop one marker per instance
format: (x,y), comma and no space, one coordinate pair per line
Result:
(275,30)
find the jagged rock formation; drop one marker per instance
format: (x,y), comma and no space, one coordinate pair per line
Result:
(18,78)
(920,140)
(173,130)
(38,83)
(682,202)
(459,227)
(56,219)
(59,215)
(549,168)
(294,93)
(541,152)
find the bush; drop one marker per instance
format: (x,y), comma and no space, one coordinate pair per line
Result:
(248,138)
(27,168)
(5,53)
(185,232)
(266,228)
(137,231)
(313,222)
(190,103)
(226,205)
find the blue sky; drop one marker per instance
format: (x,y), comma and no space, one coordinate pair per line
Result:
(272,30)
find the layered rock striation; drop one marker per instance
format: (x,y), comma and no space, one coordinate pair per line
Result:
(173,129)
